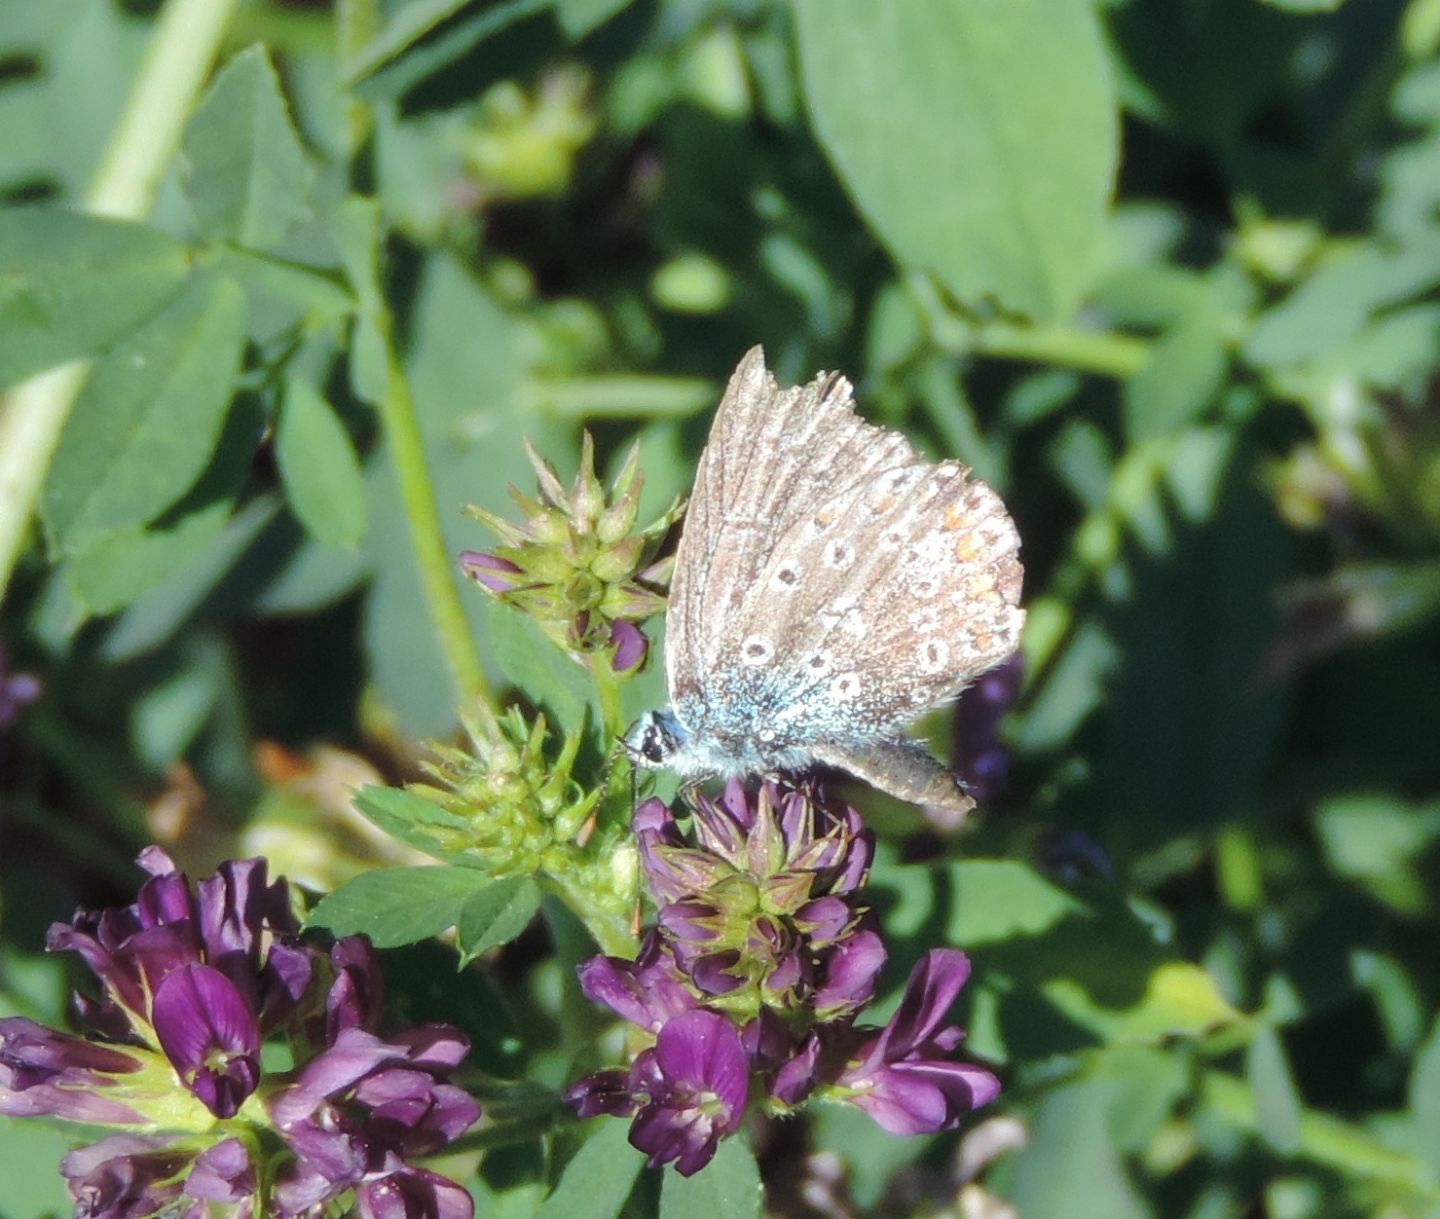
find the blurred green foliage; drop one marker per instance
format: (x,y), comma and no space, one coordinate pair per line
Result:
(1164,272)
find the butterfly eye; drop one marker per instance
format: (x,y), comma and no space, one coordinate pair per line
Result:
(655,745)
(652,742)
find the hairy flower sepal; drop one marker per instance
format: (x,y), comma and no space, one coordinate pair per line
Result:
(576,564)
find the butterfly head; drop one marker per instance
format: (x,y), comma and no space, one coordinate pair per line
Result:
(655,739)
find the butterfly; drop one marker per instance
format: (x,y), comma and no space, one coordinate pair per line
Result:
(830,586)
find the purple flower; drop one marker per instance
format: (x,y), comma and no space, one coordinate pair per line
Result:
(210,1035)
(194,979)
(129,1176)
(576,564)
(1071,855)
(605,1092)
(750,983)
(126,1176)
(647,991)
(233,921)
(629,644)
(17,691)
(981,761)
(45,1073)
(358,989)
(904,1076)
(490,571)
(360,1109)
(847,980)
(696,1080)
(413,1194)
(762,901)
(223,1173)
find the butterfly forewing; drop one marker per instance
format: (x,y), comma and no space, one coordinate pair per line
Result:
(755,476)
(889,598)
(831,586)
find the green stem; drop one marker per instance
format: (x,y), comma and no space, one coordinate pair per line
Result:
(1095,545)
(1325,1140)
(607,694)
(187,39)
(1110,355)
(417,496)
(356,22)
(611,931)
(611,396)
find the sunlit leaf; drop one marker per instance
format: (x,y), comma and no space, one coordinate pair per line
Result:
(978,139)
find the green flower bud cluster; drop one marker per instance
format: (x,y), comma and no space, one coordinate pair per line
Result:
(576,564)
(518,807)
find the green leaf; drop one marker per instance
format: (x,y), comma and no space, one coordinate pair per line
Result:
(998,900)
(70,285)
(404,815)
(410,23)
(319,467)
(1378,841)
(292,290)
(597,1181)
(978,139)
(1070,1165)
(151,620)
(165,721)
(1334,303)
(114,570)
(72,67)
(1425,1099)
(413,44)
(243,170)
(396,906)
(579,17)
(729,1185)
(532,662)
(356,229)
(616,396)
(1188,728)
(1049,964)
(496,915)
(1184,373)
(1277,1105)
(147,421)
(31,1146)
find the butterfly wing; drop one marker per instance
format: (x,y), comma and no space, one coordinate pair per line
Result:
(883,599)
(831,585)
(756,479)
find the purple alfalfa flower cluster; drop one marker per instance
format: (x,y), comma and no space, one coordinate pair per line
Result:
(745,994)
(193,981)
